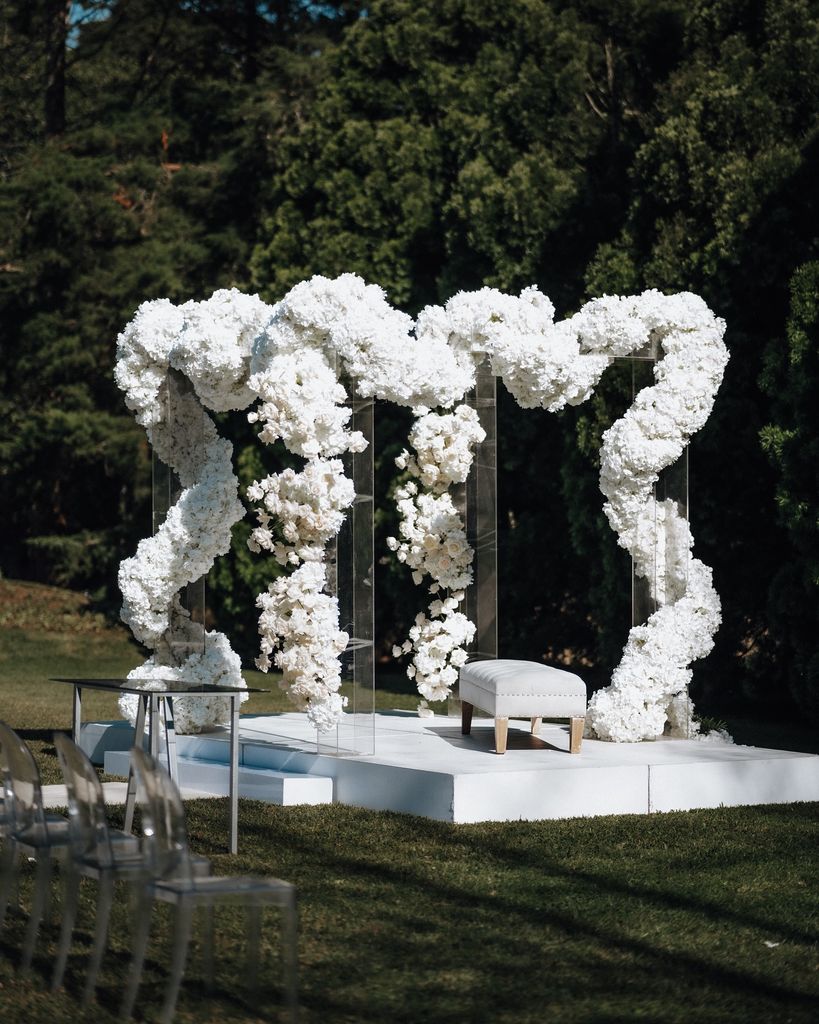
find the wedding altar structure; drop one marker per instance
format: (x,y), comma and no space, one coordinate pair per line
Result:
(309,370)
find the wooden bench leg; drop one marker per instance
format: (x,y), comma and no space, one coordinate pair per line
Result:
(536,726)
(576,726)
(501,732)
(466,718)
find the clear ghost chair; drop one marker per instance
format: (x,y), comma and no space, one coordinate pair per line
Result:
(29,832)
(174,881)
(98,852)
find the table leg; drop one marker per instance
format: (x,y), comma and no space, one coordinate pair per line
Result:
(170,740)
(76,716)
(139,731)
(234,773)
(153,724)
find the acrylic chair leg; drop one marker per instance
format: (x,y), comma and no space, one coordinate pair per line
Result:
(8,877)
(105,897)
(254,938)
(207,945)
(181,938)
(71,892)
(290,929)
(142,930)
(38,904)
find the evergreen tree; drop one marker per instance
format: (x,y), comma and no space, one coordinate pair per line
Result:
(792,442)
(149,191)
(723,204)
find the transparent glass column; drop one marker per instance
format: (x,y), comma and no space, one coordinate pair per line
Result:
(350,577)
(175,391)
(481,499)
(477,501)
(666,577)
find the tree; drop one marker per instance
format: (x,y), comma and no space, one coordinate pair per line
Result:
(722,205)
(455,144)
(149,191)
(58,15)
(792,441)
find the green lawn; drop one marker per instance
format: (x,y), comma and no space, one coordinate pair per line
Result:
(685,917)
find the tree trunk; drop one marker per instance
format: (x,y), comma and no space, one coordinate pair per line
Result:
(251,40)
(57,20)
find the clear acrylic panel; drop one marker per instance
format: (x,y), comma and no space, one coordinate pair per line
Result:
(167,488)
(648,593)
(477,501)
(350,560)
(668,572)
(667,576)
(481,603)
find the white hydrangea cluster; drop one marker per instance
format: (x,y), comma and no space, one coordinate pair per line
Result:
(373,342)
(439,644)
(302,403)
(541,363)
(444,446)
(654,431)
(293,370)
(206,510)
(650,685)
(214,664)
(144,357)
(308,506)
(433,541)
(299,627)
(214,347)
(209,342)
(662,549)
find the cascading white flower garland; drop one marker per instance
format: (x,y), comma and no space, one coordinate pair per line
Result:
(235,349)
(551,365)
(433,543)
(209,343)
(320,328)
(650,685)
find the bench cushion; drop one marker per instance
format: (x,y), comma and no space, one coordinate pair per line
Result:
(506,688)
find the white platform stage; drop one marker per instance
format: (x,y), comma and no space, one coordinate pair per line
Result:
(425,766)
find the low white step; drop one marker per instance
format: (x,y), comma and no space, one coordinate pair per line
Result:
(266,784)
(54,796)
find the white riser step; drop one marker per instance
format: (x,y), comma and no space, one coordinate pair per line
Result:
(272,787)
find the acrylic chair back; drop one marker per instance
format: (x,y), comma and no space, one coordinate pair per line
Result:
(163,819)
(23,797)
(5,807)
(87,820)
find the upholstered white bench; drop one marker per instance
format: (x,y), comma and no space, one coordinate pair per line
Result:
(522,689)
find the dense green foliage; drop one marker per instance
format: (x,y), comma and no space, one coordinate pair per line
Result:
(792,377)
(585,146)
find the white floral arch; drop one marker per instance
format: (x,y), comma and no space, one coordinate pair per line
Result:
(237,351)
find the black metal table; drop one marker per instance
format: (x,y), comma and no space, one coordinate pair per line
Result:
(159,700)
